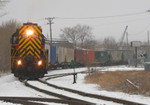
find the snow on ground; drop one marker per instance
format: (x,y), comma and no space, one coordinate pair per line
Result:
(62,92)
(95,89)
(7,103)
(10,86)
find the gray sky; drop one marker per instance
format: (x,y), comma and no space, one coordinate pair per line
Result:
(38,10)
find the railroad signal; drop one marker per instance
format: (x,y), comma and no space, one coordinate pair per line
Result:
(72,63)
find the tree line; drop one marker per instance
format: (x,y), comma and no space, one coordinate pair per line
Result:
(6,31)
(81,36)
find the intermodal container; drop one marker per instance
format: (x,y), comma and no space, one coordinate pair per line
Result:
(89,56)
(116,56)
(53,54)
(127,55)
(69,54)
(101,56)
(78,56)
(60,54)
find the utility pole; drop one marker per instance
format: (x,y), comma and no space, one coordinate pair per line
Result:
(127,38)
(148,36)
(50,24)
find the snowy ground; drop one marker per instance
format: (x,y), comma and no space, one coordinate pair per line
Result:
(10,86)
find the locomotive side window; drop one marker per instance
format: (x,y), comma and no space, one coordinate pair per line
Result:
(14,40)
(43,40)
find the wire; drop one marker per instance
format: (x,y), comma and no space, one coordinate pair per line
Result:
(113,16)
(118,22)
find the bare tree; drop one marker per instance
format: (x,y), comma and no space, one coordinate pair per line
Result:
(6,30)
(2,5)
(90,44)
(109,43)
(85,33)
(70,34)
(77,34)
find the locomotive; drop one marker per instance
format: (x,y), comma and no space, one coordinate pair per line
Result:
(29,59)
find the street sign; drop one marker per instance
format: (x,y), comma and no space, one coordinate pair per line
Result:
(135,44)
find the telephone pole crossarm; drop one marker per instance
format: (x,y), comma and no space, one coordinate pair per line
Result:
(50,23)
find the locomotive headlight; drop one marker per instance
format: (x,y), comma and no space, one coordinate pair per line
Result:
(19,62)
(29,32)
(40,63)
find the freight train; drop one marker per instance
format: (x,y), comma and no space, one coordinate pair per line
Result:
(61,56)
(32,56)
(29,59)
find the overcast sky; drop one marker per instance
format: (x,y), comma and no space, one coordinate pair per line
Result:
(38,10)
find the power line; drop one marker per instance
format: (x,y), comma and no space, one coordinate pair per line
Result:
(112,16)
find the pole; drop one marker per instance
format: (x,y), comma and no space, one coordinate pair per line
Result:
(127,38)
(50,23)
(74,75)
(136,56)
(148,36)
(122,38)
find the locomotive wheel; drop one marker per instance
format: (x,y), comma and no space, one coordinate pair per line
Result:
(16,74)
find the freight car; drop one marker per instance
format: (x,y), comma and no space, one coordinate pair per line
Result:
(119,57)
(102,58)
(29,59)
(61,56)
(84,57)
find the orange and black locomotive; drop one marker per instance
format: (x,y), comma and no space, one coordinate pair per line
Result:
(29,59)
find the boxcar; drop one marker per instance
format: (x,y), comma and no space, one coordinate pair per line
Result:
(51,53)
(127,55)
(115,56)
(102,57)
(60,54)
(89,56)
(78,57)
(69,54)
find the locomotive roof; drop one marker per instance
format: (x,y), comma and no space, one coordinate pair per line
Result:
(29,23)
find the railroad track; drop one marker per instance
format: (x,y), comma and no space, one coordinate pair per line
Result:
(74,101)
(83,94)
(63,99)
(36,101)
(121,101)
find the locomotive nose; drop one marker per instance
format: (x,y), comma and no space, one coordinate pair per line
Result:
(29,58)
